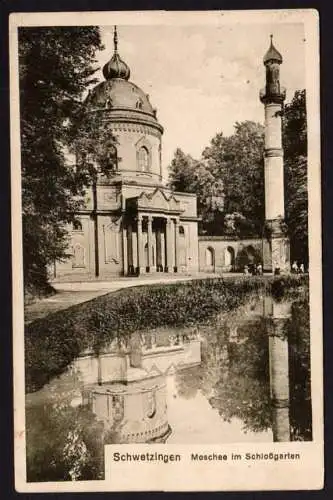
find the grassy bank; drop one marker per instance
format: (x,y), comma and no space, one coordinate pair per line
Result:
(52,343)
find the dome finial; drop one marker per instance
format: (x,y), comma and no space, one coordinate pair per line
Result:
(116,68)
(115,40)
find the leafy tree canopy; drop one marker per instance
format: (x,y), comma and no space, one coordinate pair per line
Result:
(55,67)
(295,162)
(228,181)
(192,176)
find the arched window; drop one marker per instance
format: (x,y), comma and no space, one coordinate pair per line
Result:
(143,159)
(139,104)
(112,157)
(209,257)
(77,226)
(108,103)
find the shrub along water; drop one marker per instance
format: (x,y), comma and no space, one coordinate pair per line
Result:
(51,343)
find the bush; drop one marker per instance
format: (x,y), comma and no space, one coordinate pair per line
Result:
(51,343)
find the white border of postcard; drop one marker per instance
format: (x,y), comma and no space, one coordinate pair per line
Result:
(186,475)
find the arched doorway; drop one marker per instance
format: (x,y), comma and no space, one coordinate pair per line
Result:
(251,254)
(210,260)
(229,259)
(247,256)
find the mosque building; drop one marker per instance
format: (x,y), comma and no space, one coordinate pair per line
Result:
(132,224)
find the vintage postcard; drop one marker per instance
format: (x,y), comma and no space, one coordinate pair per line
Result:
(166,214)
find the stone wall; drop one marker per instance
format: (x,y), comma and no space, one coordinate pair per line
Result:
(221,254)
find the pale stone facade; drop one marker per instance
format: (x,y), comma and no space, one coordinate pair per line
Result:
(138,229)
(131,223)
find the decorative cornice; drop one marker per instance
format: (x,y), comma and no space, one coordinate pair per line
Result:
(130,117)
(189,219)
(136,128)
(255,239)
(273,152)
(280,403)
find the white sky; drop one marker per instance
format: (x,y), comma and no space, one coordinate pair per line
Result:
(204,78)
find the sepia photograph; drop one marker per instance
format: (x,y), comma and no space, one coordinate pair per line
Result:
(164,249)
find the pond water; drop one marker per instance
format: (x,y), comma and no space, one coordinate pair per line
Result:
(243,377)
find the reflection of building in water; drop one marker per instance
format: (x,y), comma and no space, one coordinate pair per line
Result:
(126,384)
(278,314)
(135,412)
(144,351)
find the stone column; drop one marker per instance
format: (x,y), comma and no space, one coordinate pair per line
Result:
(149,243)
(124,243)
(130,249)
(176,267)
(158,250)
(168,246)
(140,268)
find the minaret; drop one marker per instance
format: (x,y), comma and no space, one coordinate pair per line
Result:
(272,96)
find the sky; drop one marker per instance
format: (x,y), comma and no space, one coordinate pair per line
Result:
(204,78)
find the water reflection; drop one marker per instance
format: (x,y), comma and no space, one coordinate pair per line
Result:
(245,378)
(126,385)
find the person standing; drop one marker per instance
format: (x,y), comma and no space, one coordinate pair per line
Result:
(294,267)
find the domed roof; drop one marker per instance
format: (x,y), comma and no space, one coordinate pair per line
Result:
(272,54)
(118,95)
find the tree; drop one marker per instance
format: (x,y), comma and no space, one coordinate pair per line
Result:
(295,158)
(192,176)
(228,181)
(237,161)
(55,67)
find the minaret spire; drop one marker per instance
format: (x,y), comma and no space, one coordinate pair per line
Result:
(115,40)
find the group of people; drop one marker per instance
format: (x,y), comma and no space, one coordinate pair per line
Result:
(295,268)
(254,269)
(257,270)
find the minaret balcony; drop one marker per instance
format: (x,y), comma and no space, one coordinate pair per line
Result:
(267,97)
